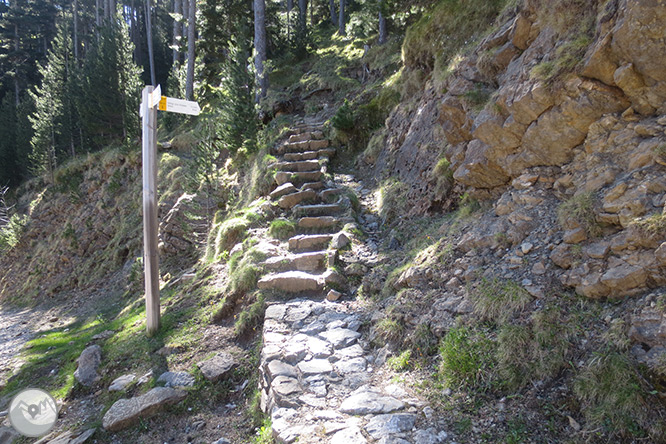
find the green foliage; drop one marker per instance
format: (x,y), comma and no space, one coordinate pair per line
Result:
(344,117)
(238,120)
(611,395)
(10,234)
(227,233)
(499,300)
(654,225)
(282,228)
(244,272)
(265,433)
(249,319)
(443,176)
(401,362)
(477,97)
(389,329)
(467,358)
(446,29)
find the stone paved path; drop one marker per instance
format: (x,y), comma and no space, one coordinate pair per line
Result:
(320,382)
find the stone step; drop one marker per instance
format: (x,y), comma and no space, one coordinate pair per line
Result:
(285,188)
(308,135)
(317,222)
(290,200)
(329,192)
(282,177)
(309,155)
(311,261)
(308,145)
(309,242)
(291,281)
(312,186)
(298,167)
(317,210)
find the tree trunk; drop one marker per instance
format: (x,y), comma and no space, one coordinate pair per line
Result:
(106,10)
(149,35)
(176,34)
(17,89)
(97,20)
(189,83)
(290,6)
(302,15)
(341,20)
(260,47)
(382,28)
(76,30)
(185,6)
(334,16)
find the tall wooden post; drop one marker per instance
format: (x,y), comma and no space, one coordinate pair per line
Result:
(150,258)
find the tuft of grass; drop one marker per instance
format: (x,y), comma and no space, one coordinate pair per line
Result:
(654,225)
(611,396)
(579,209)
(282,228)
(466,358)
(443,176)
(401,362)
(392,200)
(227,233)
(389,329)
(498,300)
(244,271)
(478,97)
(265,433)
(248,320)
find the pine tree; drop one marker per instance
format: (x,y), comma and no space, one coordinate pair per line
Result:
(238,117)
(52,120)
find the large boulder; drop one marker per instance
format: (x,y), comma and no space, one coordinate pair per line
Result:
(90,358)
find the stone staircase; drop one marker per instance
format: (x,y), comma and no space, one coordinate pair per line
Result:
(319,381)
(318,208)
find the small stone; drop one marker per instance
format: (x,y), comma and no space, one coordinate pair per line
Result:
(539,268)
(121,383)
(216,367)
(383,425)
(90,358)
(351,435)
(83,437)
(526,247)
(124,412)
(222,441)
(333,295)
(286,386)
(575,236)
(177,379)
(350,365)
(315,366)
(340,241)
(276,312)
(106,334)
(429,436)
(340,337)
(279,368)
(370,402)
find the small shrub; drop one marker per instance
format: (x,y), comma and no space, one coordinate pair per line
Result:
(282,228)
(344,117)
(466,358)
(422,342)
(654,225)
(10,234)
(478,97)
(401,362)
(443,176)
(579,209)
(498,300)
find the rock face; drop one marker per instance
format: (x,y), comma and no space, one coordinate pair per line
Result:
(90,358)
(125,412)
(121,383)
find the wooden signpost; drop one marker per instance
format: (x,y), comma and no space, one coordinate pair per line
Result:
(149,100)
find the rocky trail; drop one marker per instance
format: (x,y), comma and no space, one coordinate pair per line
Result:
(320,382)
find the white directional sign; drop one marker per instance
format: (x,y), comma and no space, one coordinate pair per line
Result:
(179,106)
(156,96)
